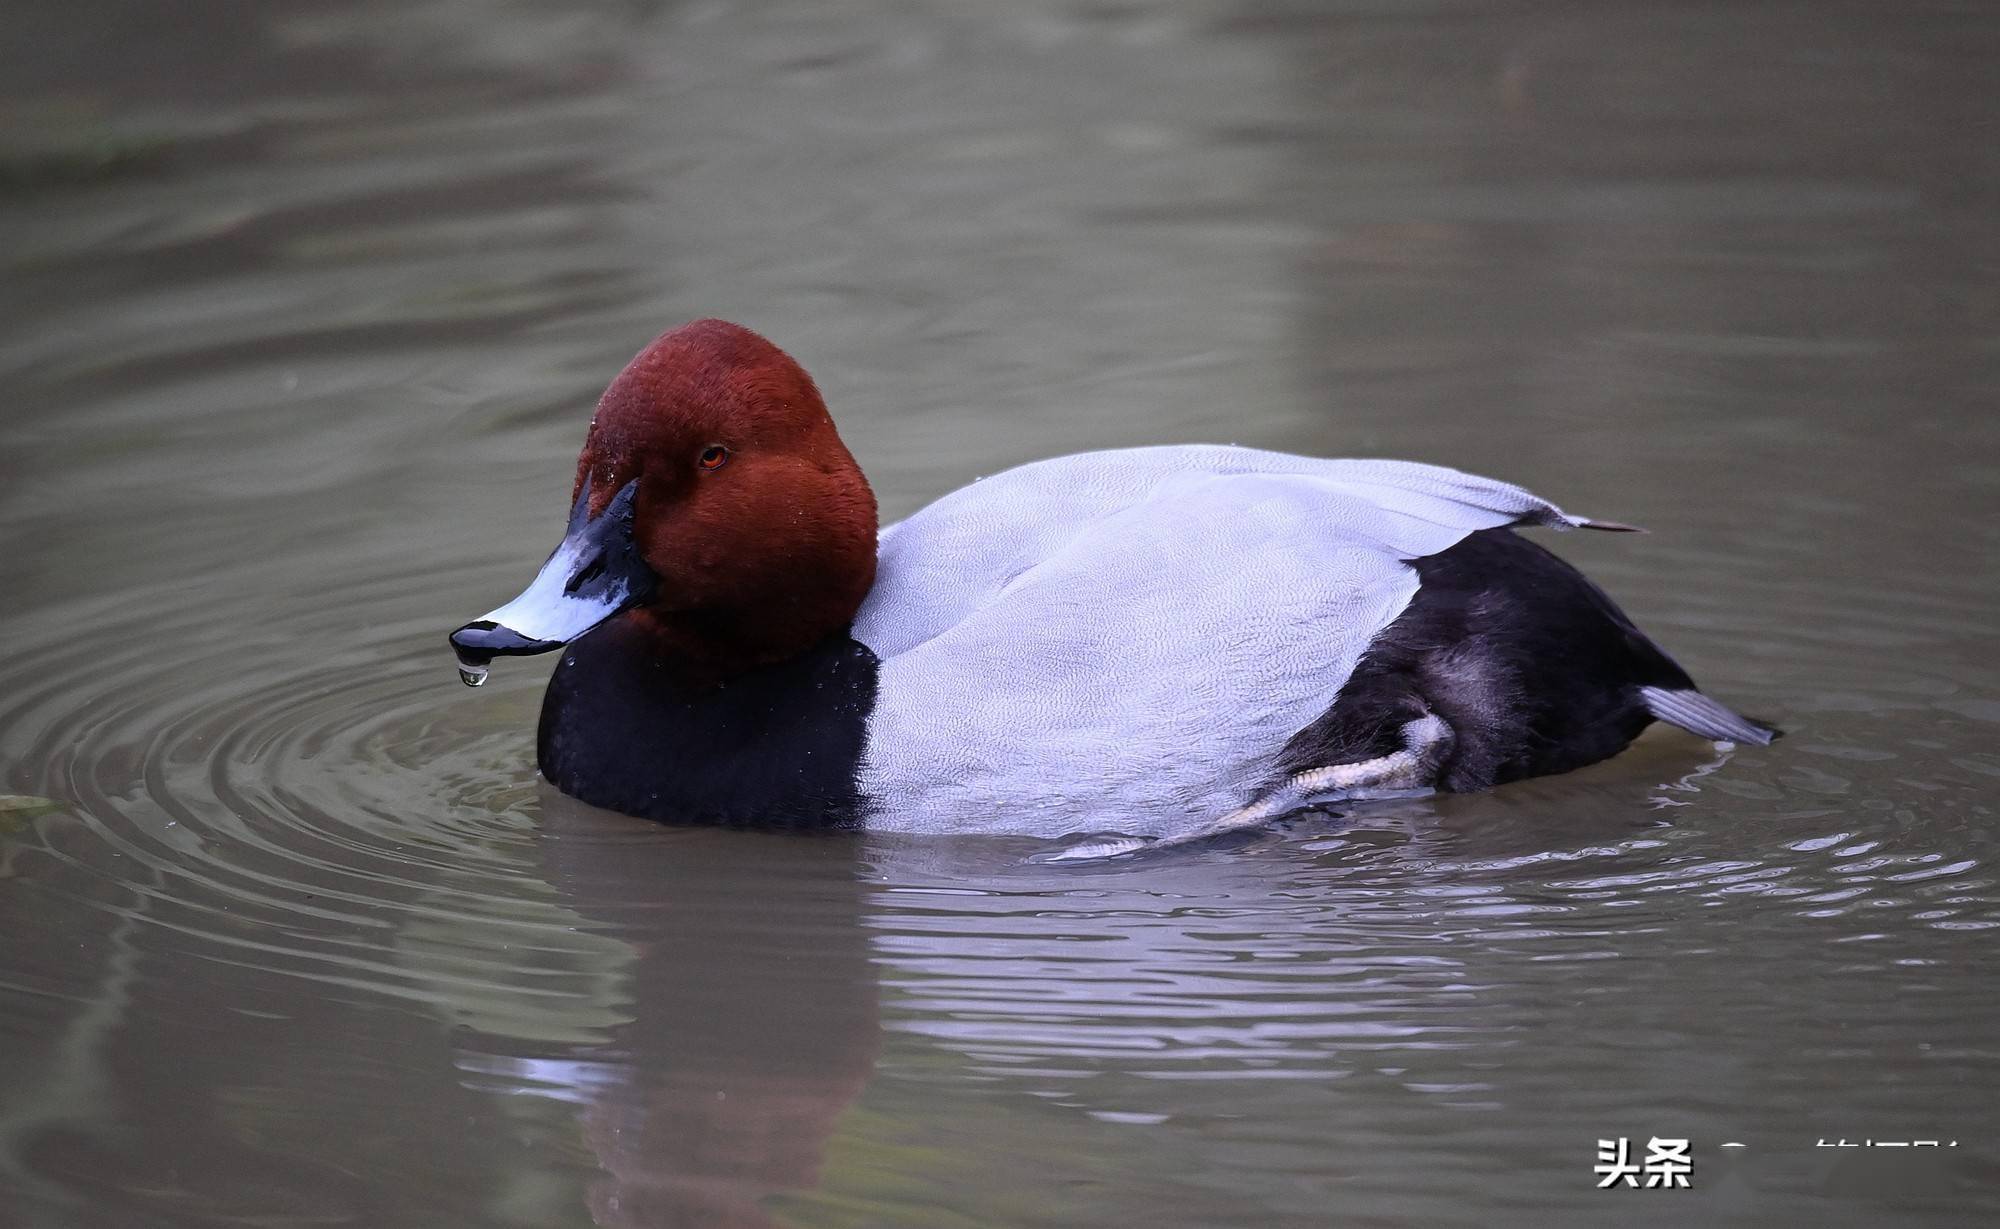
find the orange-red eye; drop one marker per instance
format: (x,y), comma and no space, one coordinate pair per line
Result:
(715,456)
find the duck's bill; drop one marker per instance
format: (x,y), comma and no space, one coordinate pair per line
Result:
(594,574)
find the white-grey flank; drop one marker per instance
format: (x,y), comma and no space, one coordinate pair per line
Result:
(1426,741)
(1124,640)
(545,610)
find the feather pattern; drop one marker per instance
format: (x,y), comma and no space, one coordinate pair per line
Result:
(1126,640)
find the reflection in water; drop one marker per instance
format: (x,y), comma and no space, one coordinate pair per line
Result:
(305,313)
(752,1014)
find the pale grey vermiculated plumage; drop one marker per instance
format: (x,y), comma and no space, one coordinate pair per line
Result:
(1127,639)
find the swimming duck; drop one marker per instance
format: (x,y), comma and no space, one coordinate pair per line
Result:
(1164,641)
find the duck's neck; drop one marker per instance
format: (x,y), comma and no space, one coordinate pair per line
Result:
(633,724)
(705,647)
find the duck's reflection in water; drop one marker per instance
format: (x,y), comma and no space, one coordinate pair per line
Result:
(1357,979)
(753,1000)
(752,1008)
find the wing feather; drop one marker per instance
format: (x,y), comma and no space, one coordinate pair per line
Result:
(1140,631)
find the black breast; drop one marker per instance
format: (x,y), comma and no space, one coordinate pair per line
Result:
(777,746)
(1534,668)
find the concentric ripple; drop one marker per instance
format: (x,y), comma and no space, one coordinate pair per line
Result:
(302,797)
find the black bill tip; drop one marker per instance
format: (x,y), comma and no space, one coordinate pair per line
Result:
(482,640)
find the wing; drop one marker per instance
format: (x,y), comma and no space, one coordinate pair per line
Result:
(1125,640)
(946,562)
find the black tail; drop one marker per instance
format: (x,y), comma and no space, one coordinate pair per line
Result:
(1534,668)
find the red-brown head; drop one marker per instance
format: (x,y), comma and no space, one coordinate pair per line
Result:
(714,495)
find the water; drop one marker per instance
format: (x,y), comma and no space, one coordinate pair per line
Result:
(305,310)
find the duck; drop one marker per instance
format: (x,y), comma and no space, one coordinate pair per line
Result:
(1164,642)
